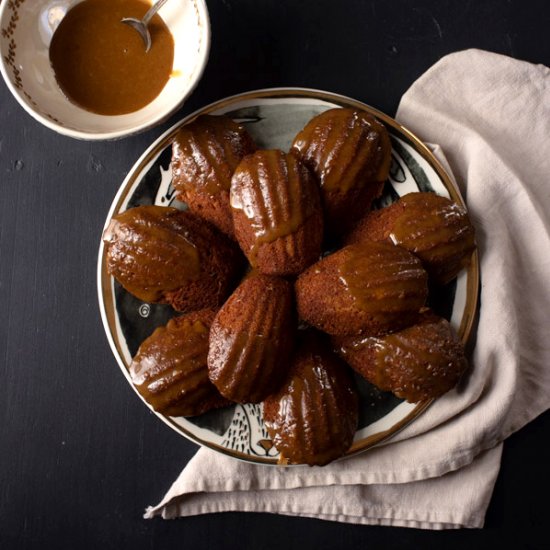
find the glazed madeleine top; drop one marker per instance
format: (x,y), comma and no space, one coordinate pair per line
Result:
(420,362)
(345,148)
(382,278)
(437,230)
(169,369)
(434,228)
(150,251)
(313,417)
(251,339)
(365,288)
(273,196)
(206,152)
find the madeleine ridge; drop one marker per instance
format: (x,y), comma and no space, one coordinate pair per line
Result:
(163,255)
(312,419)
(366,288)
(276,213)
(205,153)
(251,339)
(420,362)
(170,370)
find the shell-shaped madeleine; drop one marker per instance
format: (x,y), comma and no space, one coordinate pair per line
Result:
(276,212)
(434,228)
(205,153)
(251,339)
(366,288)
(162,254)
(420,362)
(350,153)
(170,370)
(312,419)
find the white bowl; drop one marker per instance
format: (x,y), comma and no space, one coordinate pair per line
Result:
(26,29)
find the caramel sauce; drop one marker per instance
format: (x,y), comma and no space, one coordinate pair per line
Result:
(100,63)
(378,273)
(149,252)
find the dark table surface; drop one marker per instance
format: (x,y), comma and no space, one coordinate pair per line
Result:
(80,456)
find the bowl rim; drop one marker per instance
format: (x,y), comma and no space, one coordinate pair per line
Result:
(116,134)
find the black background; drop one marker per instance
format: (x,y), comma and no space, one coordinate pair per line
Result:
(80,456)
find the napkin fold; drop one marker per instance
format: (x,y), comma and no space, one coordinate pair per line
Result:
(490,114)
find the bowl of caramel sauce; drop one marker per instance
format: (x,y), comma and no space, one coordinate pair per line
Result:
(78,70)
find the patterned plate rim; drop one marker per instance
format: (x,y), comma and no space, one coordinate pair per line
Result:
(104,280)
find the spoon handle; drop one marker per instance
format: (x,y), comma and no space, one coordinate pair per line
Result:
(152,11)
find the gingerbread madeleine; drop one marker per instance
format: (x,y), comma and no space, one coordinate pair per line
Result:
(313,417)
(420,362)
(161,254)
(366,288)
(350,153)
(205,153)
(251,339)
(170,371)
(276,212)
(434,228)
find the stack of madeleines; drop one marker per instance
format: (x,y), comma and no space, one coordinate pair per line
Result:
(267,316)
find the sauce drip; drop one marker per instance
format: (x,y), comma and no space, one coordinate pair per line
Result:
(100,63)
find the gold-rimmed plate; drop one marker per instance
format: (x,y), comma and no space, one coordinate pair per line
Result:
(273,117)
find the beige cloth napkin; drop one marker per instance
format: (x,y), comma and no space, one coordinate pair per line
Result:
(491,116)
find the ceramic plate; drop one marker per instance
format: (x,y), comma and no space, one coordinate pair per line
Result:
(273,117)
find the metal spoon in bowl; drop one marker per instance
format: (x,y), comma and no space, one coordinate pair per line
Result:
(141,25)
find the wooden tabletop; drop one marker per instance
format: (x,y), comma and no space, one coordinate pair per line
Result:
(80,455)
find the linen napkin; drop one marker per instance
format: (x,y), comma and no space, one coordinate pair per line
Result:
(490,114)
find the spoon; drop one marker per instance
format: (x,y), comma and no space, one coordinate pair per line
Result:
(141,25)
